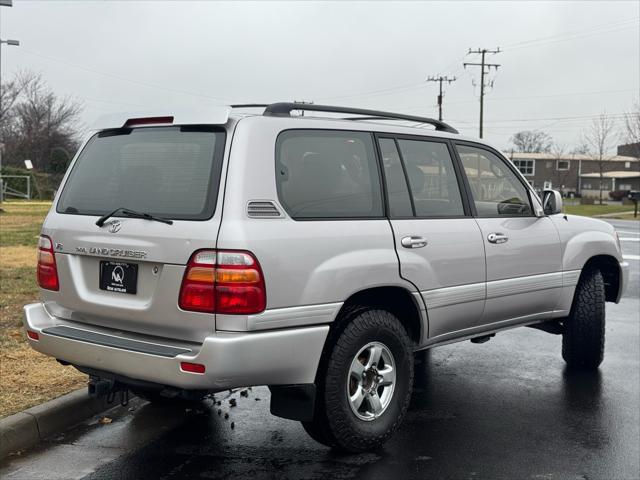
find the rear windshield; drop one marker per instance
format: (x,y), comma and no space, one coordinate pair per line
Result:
(171,172)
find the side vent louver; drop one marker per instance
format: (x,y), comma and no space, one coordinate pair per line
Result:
(262,209)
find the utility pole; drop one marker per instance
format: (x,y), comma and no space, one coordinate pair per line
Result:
(483,66)
(440,79)
(15,43)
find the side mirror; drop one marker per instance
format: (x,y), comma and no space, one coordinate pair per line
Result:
(552,202)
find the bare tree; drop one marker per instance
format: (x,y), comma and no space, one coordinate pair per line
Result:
(532,141)
(35,123)
(600,138)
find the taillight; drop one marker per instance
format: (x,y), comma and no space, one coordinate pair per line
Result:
(223,281)
(47,270)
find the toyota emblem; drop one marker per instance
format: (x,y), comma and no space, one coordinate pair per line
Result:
(115,226)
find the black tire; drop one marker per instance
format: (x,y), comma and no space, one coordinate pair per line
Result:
(335,424)
(584,329)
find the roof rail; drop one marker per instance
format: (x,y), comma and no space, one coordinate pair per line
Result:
(250,105)
(285,109)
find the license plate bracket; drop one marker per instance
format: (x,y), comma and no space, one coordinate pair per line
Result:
(119,277)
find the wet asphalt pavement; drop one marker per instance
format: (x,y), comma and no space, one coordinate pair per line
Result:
(502,410)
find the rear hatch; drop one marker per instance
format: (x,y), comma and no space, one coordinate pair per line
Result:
(126,274)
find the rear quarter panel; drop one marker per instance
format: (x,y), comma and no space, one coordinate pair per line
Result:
(315,264)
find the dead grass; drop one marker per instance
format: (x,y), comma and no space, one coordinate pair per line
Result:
(27,377)
(17,256)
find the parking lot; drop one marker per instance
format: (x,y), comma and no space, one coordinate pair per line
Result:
(504,409)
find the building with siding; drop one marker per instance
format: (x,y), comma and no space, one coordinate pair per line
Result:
(578,174)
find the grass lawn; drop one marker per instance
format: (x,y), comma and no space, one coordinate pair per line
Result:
(27,377)
(617,211)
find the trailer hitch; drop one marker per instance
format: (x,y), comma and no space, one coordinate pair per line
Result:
(100,387)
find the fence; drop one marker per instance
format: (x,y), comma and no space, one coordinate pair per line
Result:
(9,187)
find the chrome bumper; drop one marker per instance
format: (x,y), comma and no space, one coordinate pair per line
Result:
(278,357)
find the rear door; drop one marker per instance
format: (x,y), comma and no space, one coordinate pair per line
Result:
(438,243)
(524,266)
(127,274)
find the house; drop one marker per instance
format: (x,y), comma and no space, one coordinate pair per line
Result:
(578,174)
(630,149)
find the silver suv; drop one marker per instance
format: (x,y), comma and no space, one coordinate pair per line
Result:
(204,251)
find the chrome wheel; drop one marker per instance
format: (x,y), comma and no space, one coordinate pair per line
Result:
(372,379)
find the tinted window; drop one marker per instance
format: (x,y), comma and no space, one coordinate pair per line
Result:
(328,174)
(432,178)
(399,201)
(496,189)
(167,171)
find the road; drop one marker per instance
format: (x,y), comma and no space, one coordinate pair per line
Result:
(505,409)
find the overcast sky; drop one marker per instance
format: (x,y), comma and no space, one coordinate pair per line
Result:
(562,62)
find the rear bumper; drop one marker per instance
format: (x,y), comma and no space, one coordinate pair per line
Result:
(278,357)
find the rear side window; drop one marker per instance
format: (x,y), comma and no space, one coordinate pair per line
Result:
(328,174)
(432,178)
(172,172)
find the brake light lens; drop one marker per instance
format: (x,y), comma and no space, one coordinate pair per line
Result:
(223,281)
(147,121)
(47,271)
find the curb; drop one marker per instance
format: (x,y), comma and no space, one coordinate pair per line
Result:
(26,429)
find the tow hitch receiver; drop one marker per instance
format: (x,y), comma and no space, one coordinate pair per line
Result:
(99,387)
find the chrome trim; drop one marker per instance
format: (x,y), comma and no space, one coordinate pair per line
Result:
(294,316)
(570,278)
(531,283)
(443,297)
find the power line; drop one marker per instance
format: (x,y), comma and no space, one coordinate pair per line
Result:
(440,79)
(373,93)
(124,79)
(594,30)
(483,72)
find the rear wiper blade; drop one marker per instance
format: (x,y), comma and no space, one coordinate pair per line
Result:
(132,213)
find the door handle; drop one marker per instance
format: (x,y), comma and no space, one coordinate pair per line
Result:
(497,237)
(413,242)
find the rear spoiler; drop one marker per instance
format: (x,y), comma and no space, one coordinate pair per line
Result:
(217,115)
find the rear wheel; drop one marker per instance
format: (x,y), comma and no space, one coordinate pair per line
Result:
(364,383)
(584,329)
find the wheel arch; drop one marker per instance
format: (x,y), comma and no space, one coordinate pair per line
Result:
(396,300)
(610,269)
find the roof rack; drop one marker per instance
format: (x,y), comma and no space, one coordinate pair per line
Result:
(285,109)
(250,105)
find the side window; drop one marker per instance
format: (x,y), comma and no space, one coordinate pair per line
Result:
(432,178)
(328,174)
(399,201)
(496,189)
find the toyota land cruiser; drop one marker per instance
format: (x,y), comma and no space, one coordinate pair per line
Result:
(190,253)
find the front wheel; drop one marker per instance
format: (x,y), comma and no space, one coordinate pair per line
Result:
(583,337)
(364,383)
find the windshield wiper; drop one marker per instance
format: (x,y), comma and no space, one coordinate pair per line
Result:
(131,213)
